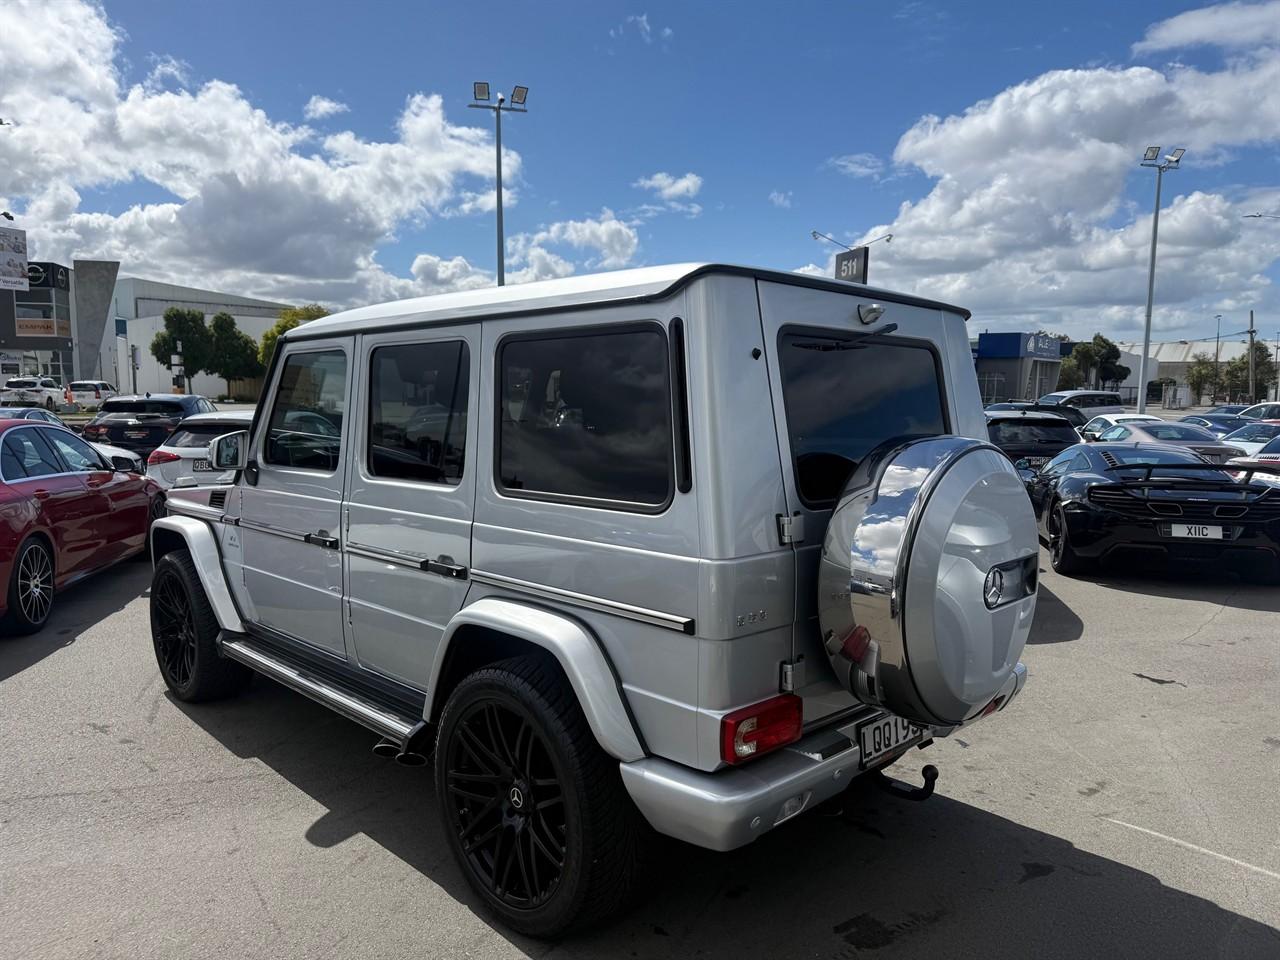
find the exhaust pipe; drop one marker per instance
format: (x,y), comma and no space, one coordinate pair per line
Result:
(410,759)
(410,753)
(386,749)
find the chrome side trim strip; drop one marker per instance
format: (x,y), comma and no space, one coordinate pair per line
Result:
(198,510)
(274,531)
(656,618)
(387,556)
(352,707)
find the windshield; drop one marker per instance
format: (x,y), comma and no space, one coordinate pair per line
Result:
(1176,431)
(166,407)
(1254,432)
(887,390)
(1054,398)
(1031,431)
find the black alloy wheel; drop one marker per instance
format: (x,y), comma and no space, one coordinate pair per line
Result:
(173,629)
(506,803)
(31,588)
(1062,557)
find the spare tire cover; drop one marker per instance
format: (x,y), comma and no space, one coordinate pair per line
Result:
(928,578)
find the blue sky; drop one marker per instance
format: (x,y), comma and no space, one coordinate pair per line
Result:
(758,101)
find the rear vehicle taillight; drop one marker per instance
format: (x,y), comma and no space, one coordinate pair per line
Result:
(755,730)
(97,394)
(161,456)
(94,430)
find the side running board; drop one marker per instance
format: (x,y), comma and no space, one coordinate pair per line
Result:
(377,717)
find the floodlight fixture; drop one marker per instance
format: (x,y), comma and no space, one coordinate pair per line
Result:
(1151,154)
(519,95)
(480,91)
(1174,157)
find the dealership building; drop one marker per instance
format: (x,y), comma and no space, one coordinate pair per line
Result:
(82,321)
(1016,365)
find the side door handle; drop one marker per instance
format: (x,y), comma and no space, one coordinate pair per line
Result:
(322,539)
(445,567)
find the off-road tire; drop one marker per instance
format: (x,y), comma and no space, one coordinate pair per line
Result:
(22,618)
(1062,556)
(604,834)
(186,651)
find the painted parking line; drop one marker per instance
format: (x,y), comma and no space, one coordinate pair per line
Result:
(1191,846)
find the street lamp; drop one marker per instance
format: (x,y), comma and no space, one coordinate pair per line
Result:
(1151,158)
(1217,356)
(822,236)
(1260,216)
(480,93)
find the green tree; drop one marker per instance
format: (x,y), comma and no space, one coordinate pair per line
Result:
(1235,373)
(1069,375)
(1202,376)
(235,354)
(186,327)
(1085,356)
(290,317)
(1110,369)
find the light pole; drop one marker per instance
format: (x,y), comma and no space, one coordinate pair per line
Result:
(1217,357)
(480,92)
(1152,159)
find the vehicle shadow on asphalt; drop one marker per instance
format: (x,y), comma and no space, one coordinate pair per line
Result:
(75,609)
(1055,622)
(1201,581)
(934,879)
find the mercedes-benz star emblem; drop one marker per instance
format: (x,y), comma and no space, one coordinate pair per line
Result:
(993,589)
(516,797)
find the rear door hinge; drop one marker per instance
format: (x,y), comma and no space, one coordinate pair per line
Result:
(790,529)
(792,675)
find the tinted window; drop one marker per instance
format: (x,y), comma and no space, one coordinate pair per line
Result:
(17,383)
(844,399)
(1033,431)
(27,455)
(199,434)
(1097,425)
(1176,431)
(1255,432)
(418,411)
(587,416)
(165,407)
(83,385)
(79,456)
(306,421)
(1052,398)
(1115,433)
(1272,447)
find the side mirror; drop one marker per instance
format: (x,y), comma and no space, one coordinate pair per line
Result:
(124,464)
(230,451)
(1022,465)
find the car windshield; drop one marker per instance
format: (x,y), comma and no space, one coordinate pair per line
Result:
(166,407)
(1031,431)
(887,390)
(1054,398)
(1176,431)
(1255,432)
(199,434)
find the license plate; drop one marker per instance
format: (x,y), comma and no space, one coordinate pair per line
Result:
(1037,461)
(885,735)
(135,434)
(1196,531)
(201,465)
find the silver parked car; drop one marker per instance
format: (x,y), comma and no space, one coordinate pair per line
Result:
(182,459)
(1196,439)
(682,548)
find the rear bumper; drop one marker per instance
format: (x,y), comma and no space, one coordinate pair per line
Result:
(732,807)
(1097,535)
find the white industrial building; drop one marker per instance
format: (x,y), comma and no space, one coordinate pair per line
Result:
(138,308)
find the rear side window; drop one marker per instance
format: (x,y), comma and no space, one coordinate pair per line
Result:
(587,417)
(26,454)
(845,398)
(418,411)
(1021,431)
(305,429)
(199,434)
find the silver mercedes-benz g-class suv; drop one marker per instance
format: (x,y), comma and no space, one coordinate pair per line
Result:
(681,548)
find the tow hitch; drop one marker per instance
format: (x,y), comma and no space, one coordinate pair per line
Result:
(906,791)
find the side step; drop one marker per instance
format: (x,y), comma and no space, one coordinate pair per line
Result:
(391,724)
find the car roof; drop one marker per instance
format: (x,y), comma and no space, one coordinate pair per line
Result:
(237,415)
(639,285)
(178,397)
(1027,416)
(1076,393)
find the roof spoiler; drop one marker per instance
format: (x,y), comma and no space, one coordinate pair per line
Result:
(1247,467)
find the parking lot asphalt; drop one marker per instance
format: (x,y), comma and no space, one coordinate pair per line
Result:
(1126,805)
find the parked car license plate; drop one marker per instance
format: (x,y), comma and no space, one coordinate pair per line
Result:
(1197,531)
(884,735)
(1037,462)
(135,434)
(201,465)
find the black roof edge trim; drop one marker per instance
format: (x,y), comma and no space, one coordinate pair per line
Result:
(772,276)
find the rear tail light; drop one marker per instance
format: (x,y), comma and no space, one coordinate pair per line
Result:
(161,456)
(97,394)
(756,730)
(94,431)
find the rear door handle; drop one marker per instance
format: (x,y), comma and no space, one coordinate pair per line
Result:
(322,539)
(445,567)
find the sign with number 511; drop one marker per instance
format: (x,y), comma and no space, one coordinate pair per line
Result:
(852,265)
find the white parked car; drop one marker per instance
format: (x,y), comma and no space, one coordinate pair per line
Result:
(1252,438)
(1089,402)
(1262,411)
(89,394)
(1106,421)
(183,458)
(32,391)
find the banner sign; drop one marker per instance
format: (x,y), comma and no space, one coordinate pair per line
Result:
(13,259)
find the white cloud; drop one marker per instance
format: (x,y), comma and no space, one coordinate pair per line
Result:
(671,188)
(639,24)
(1232,25)
(780,199)
(1027,221)
(612,243)
(857,164)
(164,70)
(318,107)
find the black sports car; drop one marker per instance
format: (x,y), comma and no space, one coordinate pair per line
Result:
(1097,500)
(1034,437)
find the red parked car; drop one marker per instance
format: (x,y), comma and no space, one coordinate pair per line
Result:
(66,511)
